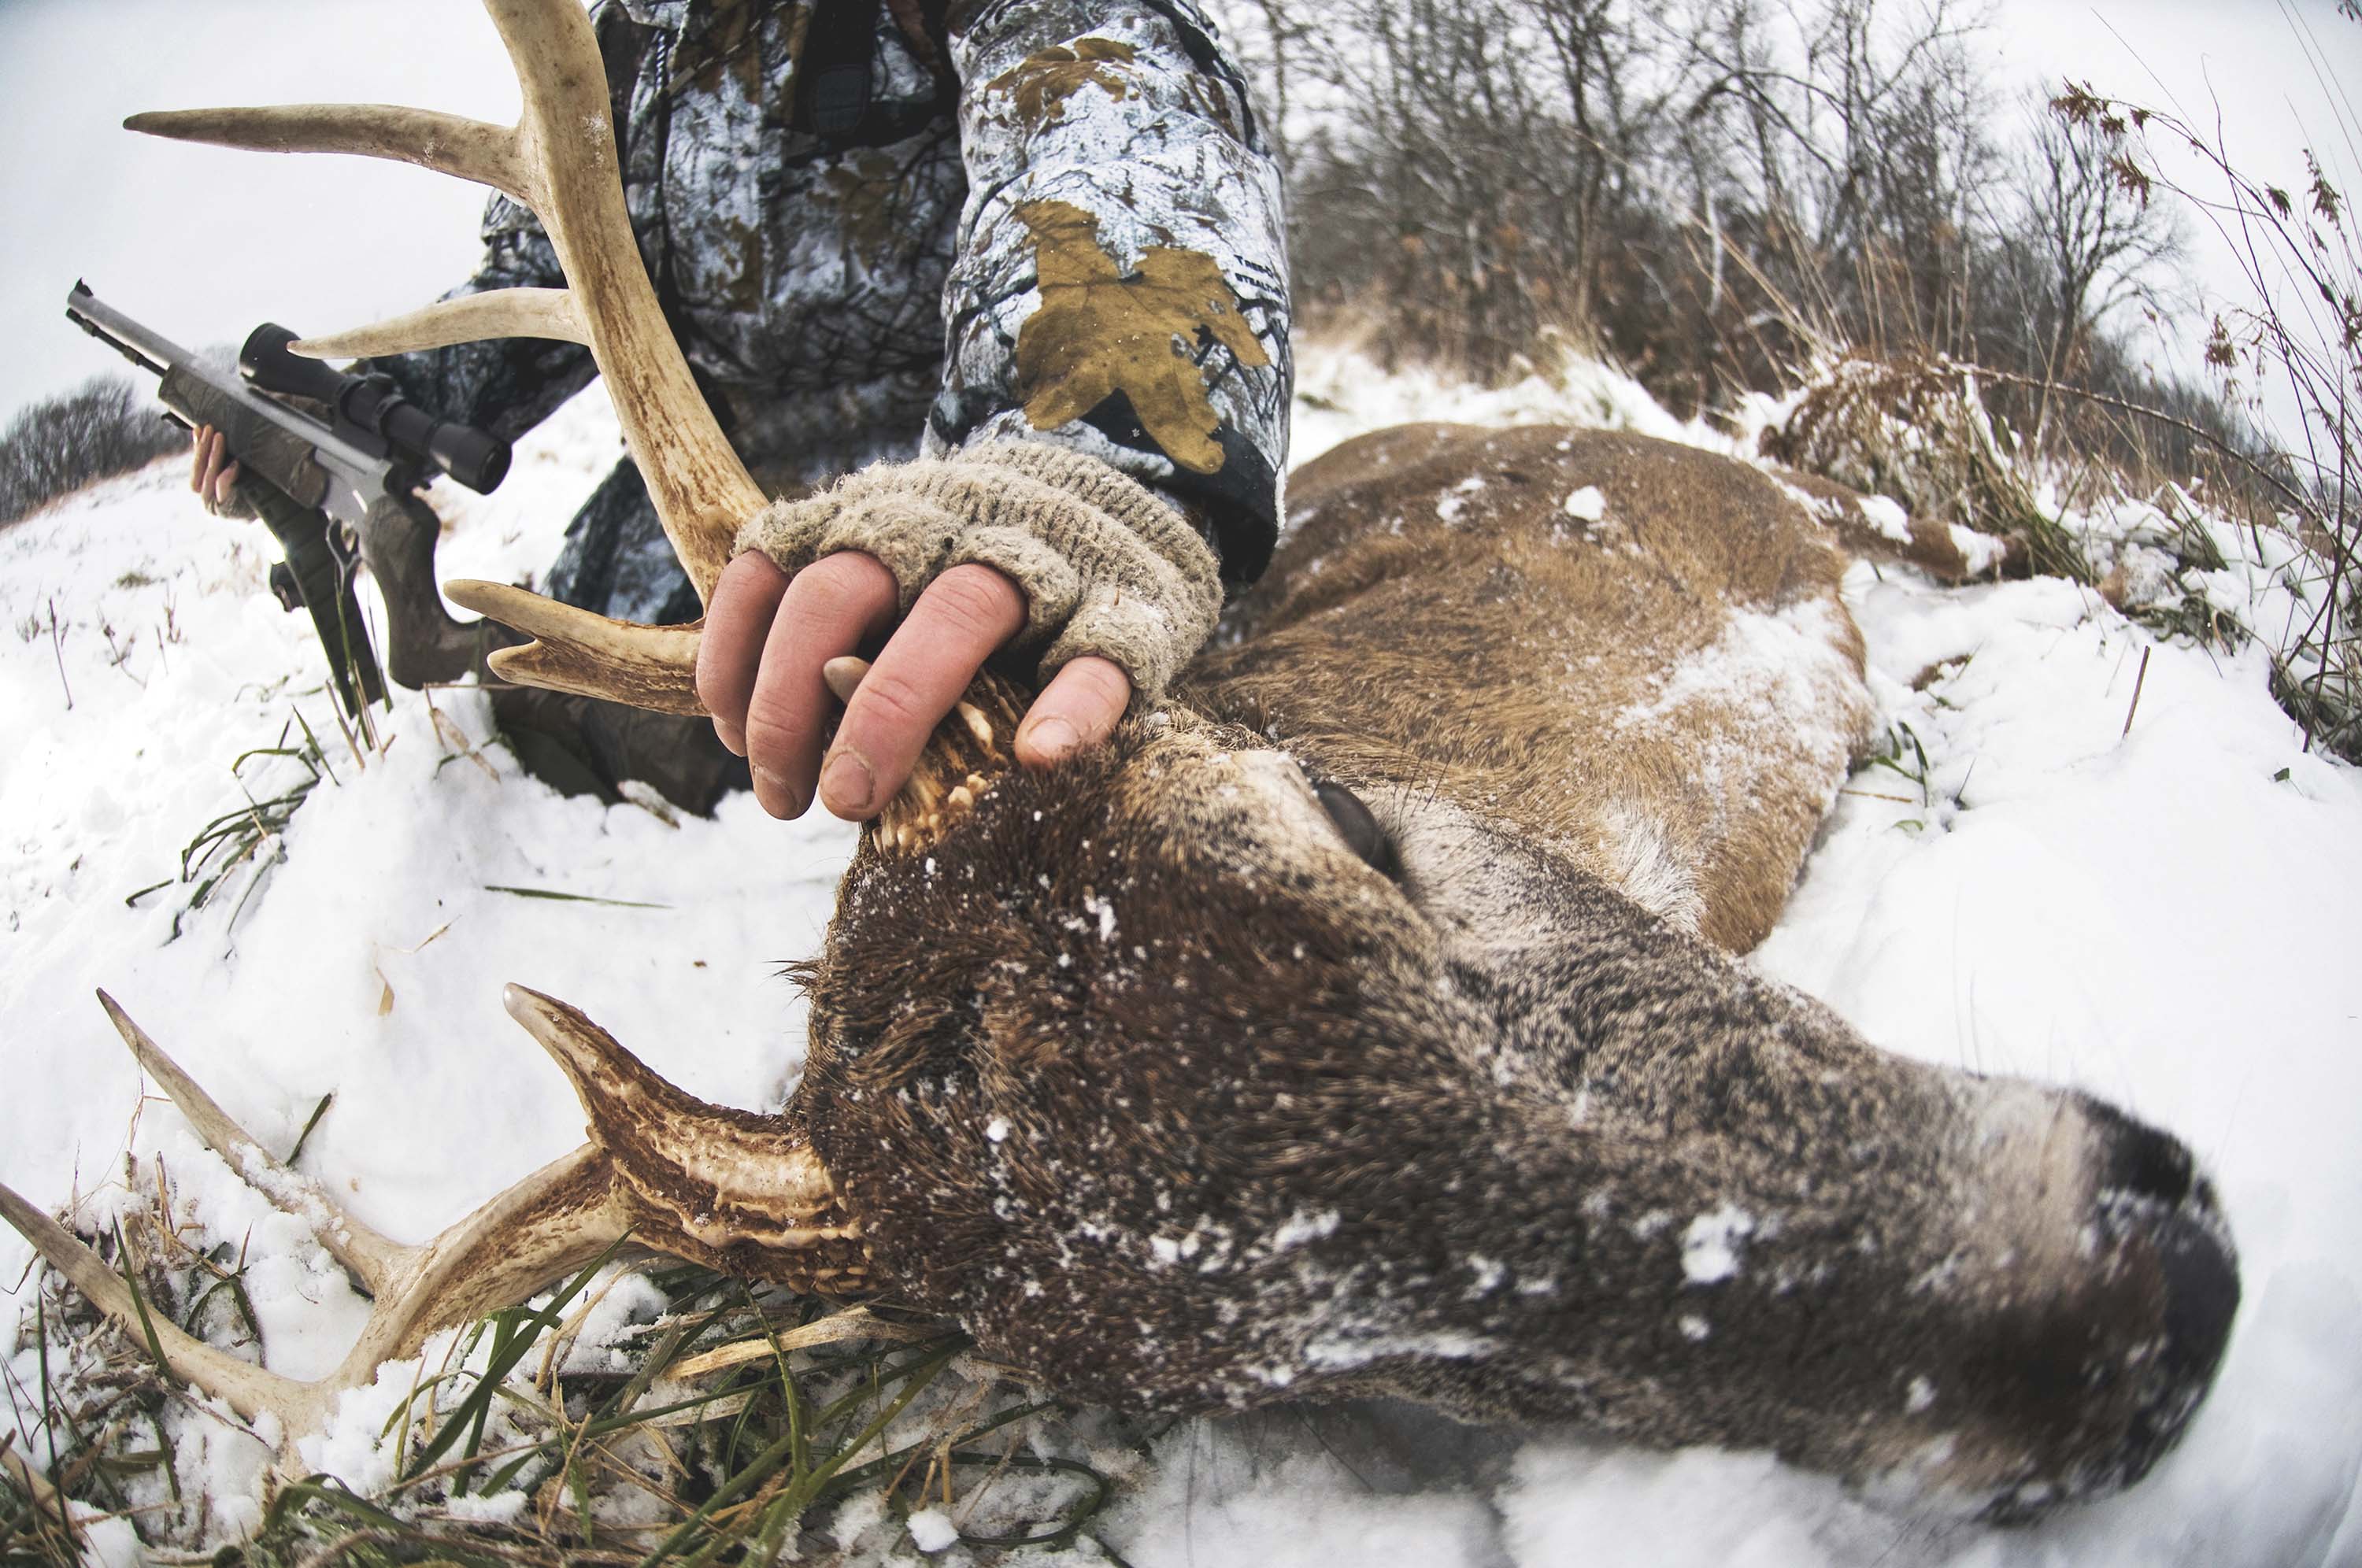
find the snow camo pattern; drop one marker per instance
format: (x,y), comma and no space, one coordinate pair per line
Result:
(1077,188)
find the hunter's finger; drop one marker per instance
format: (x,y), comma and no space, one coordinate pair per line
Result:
(957,622)
(1075,711)
(738,617)
(224,482)
(829,608)
(197,458)
(211,443)
(217,453)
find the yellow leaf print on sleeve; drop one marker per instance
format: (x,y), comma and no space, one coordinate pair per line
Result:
(1100,332)
(1047,78)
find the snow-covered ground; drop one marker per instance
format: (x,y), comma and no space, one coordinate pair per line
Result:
(2166,916)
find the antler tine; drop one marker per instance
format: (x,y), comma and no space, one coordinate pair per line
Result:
(470,318)
(554,1220)
(574,650)
(663,1171)
(552,1223)
(449,144)
(370,1256)
(548,1225)
(251,1391)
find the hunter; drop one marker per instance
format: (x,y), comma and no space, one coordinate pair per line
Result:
(1020,264)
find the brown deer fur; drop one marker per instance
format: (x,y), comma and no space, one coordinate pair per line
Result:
(1368,1022)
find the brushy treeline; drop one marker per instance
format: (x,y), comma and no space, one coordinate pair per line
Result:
(61,444)
(1717,192)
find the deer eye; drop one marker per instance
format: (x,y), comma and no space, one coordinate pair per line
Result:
(1358,825)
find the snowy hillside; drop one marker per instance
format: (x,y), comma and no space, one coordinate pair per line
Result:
(2166,915)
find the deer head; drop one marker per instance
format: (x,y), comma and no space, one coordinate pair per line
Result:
(1363,1023)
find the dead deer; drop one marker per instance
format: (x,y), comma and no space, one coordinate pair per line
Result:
(1366,1021)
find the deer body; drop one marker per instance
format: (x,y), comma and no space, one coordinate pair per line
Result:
(1367,1020)
(1666,694)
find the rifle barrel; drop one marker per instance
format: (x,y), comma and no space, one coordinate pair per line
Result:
(141,344)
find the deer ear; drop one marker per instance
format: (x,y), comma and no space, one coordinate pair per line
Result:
(967,755)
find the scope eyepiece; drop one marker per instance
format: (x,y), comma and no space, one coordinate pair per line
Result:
(476,459)
(266,363)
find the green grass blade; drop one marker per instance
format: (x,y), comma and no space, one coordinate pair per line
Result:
(556,897)
(504,1359)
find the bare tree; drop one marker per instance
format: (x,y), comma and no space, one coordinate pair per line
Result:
(2095,241)
(1717,192)
(1856,135)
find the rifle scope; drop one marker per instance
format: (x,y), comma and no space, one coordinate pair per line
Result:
(476,459)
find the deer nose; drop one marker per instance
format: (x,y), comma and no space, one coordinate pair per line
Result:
(2202,1293)
(2184,1229)
(2143,1162)
(2099,1375)
(2161,1204)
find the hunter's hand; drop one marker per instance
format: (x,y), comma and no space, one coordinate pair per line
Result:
(215,473)
(1106,586)
(766,636)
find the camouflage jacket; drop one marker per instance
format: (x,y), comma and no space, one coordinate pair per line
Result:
(879,225)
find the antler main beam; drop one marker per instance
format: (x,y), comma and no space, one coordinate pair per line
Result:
(566,141)
(560,161)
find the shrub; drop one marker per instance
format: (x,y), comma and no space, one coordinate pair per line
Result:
(61,444)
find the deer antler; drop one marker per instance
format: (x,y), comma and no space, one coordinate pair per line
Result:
(559,160)
(665,1172)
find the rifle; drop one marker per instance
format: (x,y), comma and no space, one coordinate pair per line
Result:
(360,464)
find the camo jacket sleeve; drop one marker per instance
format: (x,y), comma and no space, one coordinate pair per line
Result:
(1121,280)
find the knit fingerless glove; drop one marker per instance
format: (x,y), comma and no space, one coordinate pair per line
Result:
(1107,567)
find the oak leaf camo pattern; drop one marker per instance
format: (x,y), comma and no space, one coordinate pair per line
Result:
(1099,333)
(865,296)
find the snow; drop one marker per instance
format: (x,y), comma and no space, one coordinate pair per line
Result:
(1887,516)
(1300,1228)
(1343,393)
(2165,917)
(931,1531)
(1711,1245)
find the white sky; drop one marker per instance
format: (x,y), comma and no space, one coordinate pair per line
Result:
(203,244)
(2267,70)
